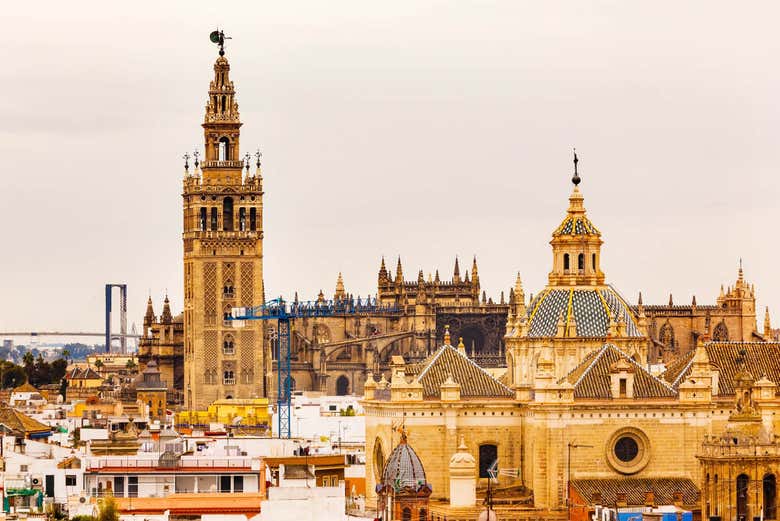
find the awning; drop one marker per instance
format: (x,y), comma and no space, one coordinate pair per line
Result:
(34,435)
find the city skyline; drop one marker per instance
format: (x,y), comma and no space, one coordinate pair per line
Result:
(438,144)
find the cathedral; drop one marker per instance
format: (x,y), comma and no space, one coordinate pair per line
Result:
(582,418)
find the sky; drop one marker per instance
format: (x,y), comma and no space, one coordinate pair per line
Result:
(416,128)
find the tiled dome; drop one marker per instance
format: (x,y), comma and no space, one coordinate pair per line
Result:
(591,308)
(404,468)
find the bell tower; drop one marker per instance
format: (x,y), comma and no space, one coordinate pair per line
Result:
(223,256)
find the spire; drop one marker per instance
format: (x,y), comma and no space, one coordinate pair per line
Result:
(447,338)
(166,317)
(671,300)
(456,272)
(420,278)
(640,299)
(767,325)
(436,277)
(576,178)
(399,272)
(693,301)
(222,163)
(149,316)
(474,273)
(340,294)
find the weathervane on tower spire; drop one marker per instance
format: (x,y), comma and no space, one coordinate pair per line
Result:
(576,179)
(219,38)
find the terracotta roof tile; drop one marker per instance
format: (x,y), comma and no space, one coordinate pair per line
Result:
(20,422)
(636,490)
(193,504)
(591,378)
(761,359)
(474,381)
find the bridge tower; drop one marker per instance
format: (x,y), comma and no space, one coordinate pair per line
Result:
(122,316)
(223,256)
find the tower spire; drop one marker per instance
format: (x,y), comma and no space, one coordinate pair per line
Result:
(576,178)
(456,271)
(767,325)
(149,316)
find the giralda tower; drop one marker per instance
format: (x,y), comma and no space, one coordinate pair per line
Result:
(223,257)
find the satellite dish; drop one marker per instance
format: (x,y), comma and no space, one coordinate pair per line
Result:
(214,37)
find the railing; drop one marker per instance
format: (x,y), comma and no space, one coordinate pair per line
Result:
(718,449)
(195,463)
(222,164)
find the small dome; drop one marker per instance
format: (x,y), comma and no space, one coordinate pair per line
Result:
(592,310)
(404,468)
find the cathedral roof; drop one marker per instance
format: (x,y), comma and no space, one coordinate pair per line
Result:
(591,378)
(474,381)
(761,359)
(576,225)
(636,490)
(586,311)
(403,468)
(678,369)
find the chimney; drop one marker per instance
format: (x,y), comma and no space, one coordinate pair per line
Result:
(649,498)
(677,499)
(596,498)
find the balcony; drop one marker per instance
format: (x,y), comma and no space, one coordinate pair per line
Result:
(222,164)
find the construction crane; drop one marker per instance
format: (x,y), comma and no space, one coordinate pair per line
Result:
(279,310)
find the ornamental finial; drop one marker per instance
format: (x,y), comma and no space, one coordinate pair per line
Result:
(186,158)
(576,179)
(219,38)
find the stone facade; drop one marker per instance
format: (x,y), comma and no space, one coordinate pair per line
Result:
(578,406)
(223,258)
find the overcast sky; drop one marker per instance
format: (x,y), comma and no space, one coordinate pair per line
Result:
(425,129)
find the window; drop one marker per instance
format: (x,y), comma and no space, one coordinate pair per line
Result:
(423,515)
(228,346)
(565,262)
(23,468)
(227,214)
(488,454)
(228,378)
(623,387)
(119,486)
(70,480)
(325,481)
(626,448)
(213,219)
(224,145)
(242,219)
(581,262)
(770,496)
(203,218)
(224,483)
(253,219)
(593,261)
(132,486)
(407,514)
(238,484)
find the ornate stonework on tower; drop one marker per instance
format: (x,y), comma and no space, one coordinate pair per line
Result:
(223,258)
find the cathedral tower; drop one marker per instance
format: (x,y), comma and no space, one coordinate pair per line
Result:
(223,257)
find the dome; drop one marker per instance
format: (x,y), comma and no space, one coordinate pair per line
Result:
(585,311)
(404,468)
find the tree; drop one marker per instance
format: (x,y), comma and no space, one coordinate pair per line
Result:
(13,375)
(131,365)
(41,371)
(108,510)
(99,364)
(58,369)
(66,354)
(28,360)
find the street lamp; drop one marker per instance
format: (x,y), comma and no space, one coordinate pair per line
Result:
(571,445)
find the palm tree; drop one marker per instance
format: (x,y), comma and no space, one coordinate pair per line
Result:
(66,355)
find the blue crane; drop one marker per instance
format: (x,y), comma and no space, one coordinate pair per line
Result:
(279,310)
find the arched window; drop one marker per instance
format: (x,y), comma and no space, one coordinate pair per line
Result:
(342,386)
(228,290)
(228,345)
(565,262)
(253,219)
(224,99)
(770,496)
(203,218)
(488,454)
(227,214)
(228,378)
(406,515)
(593,260)
(581,262)
(721,332)
(224,149)
(213,219)
(379,459)
(666,335)
(423,515)
(742,495)
(242,219)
